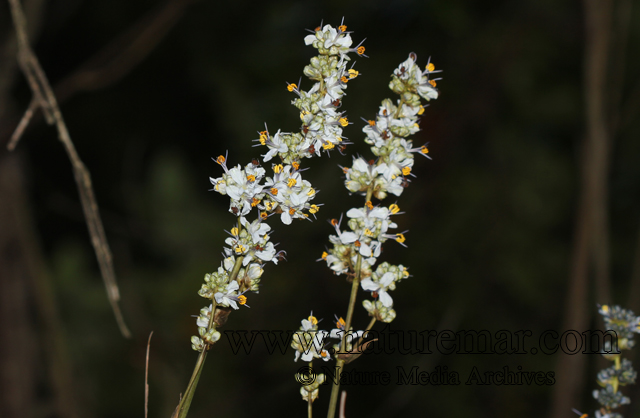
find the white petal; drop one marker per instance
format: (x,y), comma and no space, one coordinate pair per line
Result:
(368,284)
(385,299)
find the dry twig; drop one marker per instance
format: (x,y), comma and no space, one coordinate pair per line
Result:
(44,98)
(146,379)
(343,404)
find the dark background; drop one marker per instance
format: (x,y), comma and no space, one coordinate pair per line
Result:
(493,218)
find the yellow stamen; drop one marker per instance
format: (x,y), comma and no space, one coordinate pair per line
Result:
(240,249)
(353,73)
(421,110)
(432,82)
(263,215)
(368,204)
(605,309)
(328,145)
(334,222)
(251,177)
(242,299)
(406,171)
(234,231)
(405,273)
(344,122)
(340,324)
(291,182)
(338,139)
(400,238)
(372,122)
(394,209)
(431,67)
(274,191)
(254,202)
(360,50)
(344,79)
(314,209)
(345,170)
(292,211)
(277,168)
(324,255)
(368,232)
(311,192)
(263,139)
(357,244)
(220,160)
(424,149)
(292,87)
(416,125)
(295,165)
(269,205)
(342,28)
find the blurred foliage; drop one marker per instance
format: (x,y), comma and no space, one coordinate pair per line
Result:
(490,218)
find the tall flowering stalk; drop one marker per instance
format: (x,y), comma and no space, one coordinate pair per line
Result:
(355,250)
(625,323)
(254,194)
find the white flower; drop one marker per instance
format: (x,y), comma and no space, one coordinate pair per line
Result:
(229,298)
(276,146)
(257,229)
(380,288)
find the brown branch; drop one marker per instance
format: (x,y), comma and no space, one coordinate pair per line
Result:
(43,94)
(343,404)
(591,236)
(24,122)
(634,289)
(146,379)
(120,56)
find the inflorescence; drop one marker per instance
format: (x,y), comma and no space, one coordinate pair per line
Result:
(284,192)
(624,323)
(355,249)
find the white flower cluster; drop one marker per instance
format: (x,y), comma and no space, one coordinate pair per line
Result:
(285,192)
(379,284)
(355,252)
(388,134)
(311,342)
(322,123)
(369,228)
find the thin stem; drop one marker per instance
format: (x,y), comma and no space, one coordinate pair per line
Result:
(333,401)
(366,331)
(335,390)
(185,402)
(309,401)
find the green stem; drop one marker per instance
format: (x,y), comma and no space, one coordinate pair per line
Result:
(366,331)
(335,390)
(185,402)
(309,401)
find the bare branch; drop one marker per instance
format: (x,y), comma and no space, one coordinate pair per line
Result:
(343,404)
(26,118)
(44,97)
(146,379)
